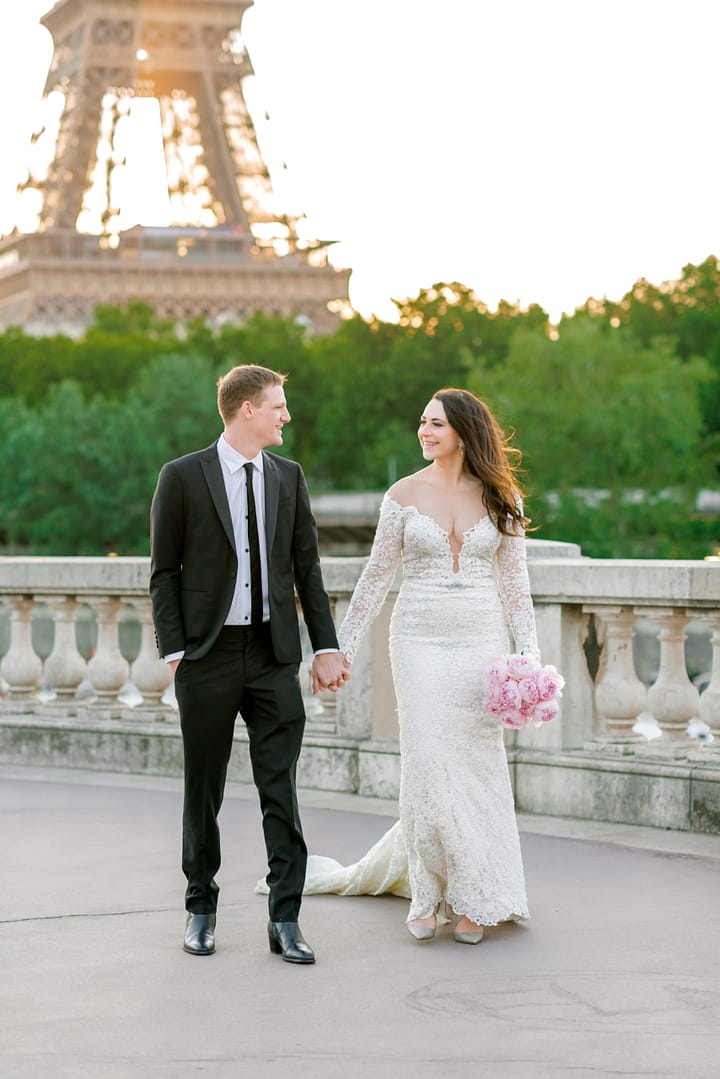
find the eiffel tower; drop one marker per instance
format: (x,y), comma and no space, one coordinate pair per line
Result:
(226,250)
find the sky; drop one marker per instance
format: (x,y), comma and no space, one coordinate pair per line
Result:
(538,151)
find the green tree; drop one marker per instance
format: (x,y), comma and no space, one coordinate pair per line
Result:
(601,410)
(658,525)
(371,381)
(349,396)
(133,318)
(78,473)
(119,344)
(16,430)
(686,311)
(171,409)
(30,365)
(66,479)
(453,316)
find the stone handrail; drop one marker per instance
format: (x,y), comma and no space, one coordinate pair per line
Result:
(587,613)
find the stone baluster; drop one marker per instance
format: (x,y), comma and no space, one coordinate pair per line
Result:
(108,669)
(619,694)
(353,703)
(710,699)
(326,721)
(315,712)
(672,699)
(151,675)
(64,667)
(21,667)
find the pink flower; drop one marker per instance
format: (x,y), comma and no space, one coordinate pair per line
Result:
(529,690)
(545,711)
(549,683)
(492,698)
(498,670)
(512,718)
(519,690)
(509,695)
(522,666)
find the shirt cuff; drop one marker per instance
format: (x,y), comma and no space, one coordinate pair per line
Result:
(173,655)
(326,651)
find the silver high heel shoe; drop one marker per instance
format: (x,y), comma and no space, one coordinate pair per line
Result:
(421,932)
(473,936)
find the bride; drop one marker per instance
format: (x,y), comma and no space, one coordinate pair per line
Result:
(457,526)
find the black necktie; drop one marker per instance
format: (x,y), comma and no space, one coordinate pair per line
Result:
(254,543)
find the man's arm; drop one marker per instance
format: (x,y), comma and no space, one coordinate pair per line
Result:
(167,528)
(330,669)
(307,573)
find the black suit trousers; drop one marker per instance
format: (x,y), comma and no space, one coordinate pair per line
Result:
(240,675)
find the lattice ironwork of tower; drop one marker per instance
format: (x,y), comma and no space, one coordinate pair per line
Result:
(225,250)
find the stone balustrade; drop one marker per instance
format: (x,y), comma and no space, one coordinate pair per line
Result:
(81,684)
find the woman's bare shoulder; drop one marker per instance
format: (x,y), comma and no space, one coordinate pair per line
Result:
(404,492)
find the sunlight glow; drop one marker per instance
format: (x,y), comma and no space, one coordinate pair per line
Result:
(146,200)
(512,157)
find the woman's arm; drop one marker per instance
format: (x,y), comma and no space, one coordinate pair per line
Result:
(375,580)
(514,587)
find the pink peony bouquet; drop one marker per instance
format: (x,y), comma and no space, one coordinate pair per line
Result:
(519,689)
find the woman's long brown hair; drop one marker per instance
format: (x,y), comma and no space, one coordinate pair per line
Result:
(488,455)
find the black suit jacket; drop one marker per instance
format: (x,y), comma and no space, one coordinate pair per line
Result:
(194,564)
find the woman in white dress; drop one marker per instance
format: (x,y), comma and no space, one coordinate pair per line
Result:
(458,527)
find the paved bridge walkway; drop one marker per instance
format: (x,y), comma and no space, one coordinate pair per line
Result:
(615,975)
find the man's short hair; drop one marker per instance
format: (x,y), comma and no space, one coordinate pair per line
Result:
(246,382)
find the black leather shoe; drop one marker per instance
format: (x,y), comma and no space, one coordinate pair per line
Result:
(286,940)
(199,934)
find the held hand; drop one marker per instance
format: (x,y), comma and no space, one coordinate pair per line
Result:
(329,671)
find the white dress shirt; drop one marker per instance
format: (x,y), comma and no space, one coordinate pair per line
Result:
(235,478)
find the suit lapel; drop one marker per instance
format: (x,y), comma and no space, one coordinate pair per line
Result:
(272,496)
(214,478)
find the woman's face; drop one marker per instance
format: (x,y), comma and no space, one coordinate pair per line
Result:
(437,438)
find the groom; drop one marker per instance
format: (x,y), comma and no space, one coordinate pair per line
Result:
(232,536)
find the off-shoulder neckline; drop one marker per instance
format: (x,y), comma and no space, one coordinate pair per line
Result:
(429,517)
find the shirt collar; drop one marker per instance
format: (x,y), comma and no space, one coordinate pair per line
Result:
(233,460)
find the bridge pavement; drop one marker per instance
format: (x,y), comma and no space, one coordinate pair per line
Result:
(616,974)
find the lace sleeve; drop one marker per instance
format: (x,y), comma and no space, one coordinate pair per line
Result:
(375,580)
(514,586)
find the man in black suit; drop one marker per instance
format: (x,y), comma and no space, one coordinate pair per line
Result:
(232,537)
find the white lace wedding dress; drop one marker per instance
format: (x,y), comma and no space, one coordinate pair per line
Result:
(457,837)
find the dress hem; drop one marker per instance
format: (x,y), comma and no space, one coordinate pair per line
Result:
(478,917)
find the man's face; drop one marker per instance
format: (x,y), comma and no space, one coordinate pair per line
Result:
(269,416)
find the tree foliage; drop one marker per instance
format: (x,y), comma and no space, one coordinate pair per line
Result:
(622,397)
(686,311)
(119,344)
(601,410)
